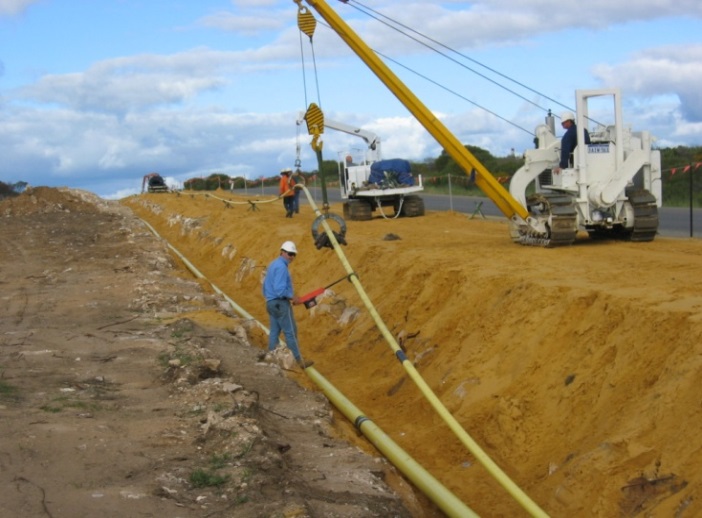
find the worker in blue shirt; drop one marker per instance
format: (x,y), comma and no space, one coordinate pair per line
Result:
(569,141)
(279,295)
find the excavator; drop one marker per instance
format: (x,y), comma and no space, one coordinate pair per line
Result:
(367,182)
(611,188)
(153,182)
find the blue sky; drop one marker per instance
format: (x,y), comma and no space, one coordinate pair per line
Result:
(96,93)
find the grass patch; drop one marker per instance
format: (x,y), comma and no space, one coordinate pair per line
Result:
(245,449)
(247,474)
(184,357)
(61,403)
(219,461)
(8,392)
(202,478)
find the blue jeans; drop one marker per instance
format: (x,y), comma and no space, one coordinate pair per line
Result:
(289,204)
(282,319)
(296,202)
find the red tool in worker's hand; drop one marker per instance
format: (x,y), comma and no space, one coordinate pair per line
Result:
(310,299)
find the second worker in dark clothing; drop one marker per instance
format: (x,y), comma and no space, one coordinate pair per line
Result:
(569,141)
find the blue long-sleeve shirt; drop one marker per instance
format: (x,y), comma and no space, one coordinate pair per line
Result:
(278,283)
(569,142)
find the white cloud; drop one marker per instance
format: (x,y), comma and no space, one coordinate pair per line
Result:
(116,94)
(243,24)
(133,83)
(14,7)
(202,109)
(499,22)
(46,146)
(662,71)
(254,3)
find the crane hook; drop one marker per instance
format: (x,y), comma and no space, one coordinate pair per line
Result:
(306,20)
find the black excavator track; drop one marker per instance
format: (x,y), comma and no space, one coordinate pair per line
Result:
(645,215)
(645,227)
(562,226)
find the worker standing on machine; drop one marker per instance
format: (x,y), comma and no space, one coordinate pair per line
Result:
(569,141)
(279,295)
(287,191)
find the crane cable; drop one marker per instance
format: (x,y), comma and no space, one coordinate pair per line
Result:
(426,78)
(377,15)
(493,469)
(307,25)
(464,56)
(314,117)
(452,92)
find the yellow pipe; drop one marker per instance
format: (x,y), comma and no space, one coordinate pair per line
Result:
(438,406)
(520,496)
(199,275)
(421,478)
(415,472)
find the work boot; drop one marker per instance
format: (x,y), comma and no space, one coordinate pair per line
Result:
(304,363)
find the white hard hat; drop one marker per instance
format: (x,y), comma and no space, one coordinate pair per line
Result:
(287,170)
(289,247)
(567,116)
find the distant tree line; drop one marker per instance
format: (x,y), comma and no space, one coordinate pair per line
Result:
(682,167)
(677,164)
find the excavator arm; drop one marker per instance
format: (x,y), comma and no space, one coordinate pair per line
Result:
(509,206)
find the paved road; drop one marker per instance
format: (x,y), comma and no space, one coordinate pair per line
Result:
(674,222)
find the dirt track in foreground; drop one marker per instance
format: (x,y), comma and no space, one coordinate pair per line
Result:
(116,402)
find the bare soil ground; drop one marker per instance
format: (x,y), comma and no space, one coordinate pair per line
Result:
(128,390)
(576,369)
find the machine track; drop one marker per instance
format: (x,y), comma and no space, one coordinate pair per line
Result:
(645,215)
(561,218)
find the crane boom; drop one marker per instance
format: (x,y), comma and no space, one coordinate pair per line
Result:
(509,206)
(371,139)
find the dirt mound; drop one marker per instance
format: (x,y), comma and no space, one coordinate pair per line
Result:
(47,200)
(576,369)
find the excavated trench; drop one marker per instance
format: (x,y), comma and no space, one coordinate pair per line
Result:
(575,368)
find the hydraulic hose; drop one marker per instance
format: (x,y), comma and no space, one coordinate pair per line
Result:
(495,471)
(517,493)
(415,472)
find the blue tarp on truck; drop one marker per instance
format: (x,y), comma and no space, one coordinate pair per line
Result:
(394,172)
